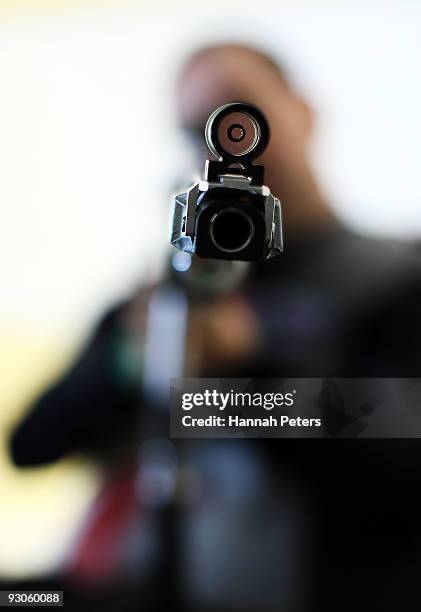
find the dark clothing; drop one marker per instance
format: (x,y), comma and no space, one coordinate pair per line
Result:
(333,305)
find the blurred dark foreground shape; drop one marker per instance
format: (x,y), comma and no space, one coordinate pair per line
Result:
(246,525)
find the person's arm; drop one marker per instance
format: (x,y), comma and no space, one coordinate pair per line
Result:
(79,411)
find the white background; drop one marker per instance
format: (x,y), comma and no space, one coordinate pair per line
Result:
(89,148)
(89,152)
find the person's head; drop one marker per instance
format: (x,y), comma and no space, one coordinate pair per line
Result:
(219,74)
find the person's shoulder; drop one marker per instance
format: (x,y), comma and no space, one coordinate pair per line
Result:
(377,265)
(340,256)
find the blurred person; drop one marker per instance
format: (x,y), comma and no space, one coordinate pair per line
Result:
(287,524)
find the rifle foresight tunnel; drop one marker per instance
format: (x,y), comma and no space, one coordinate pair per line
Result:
(230,214)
